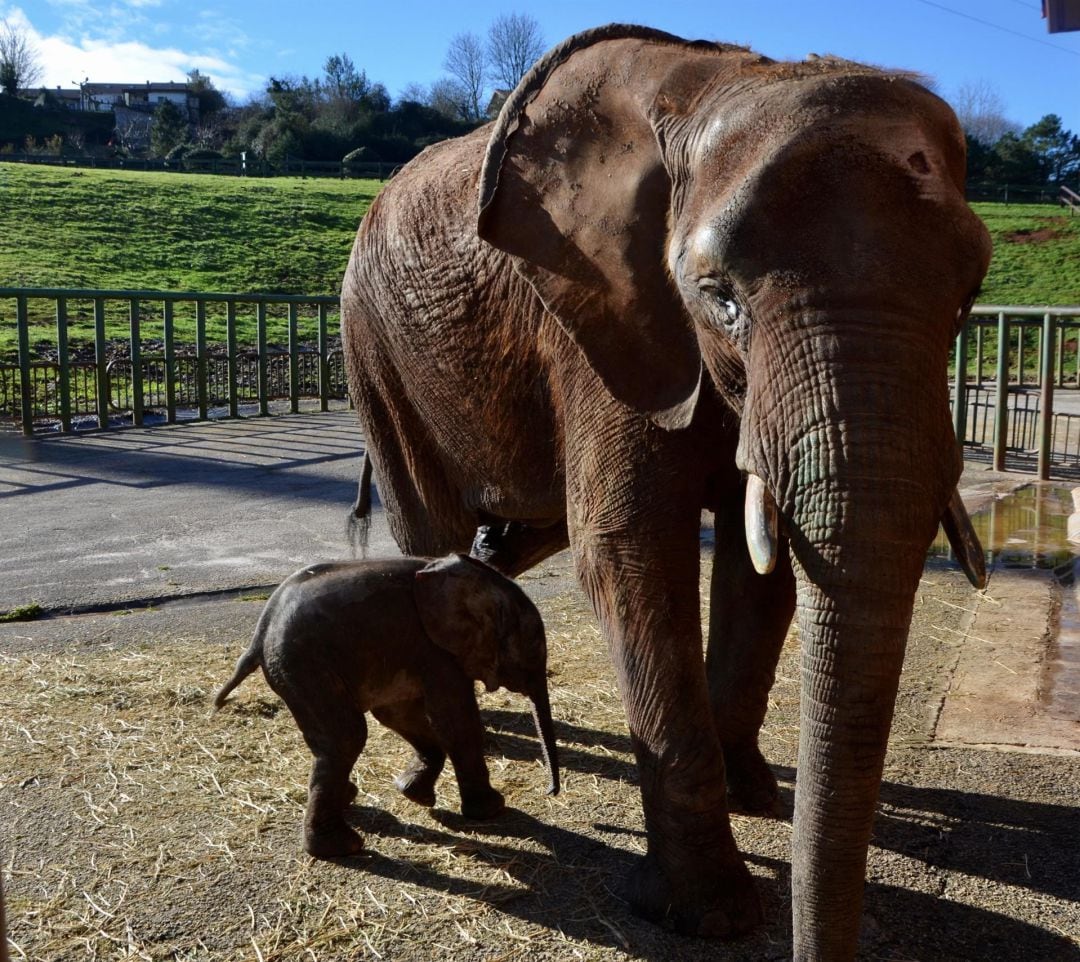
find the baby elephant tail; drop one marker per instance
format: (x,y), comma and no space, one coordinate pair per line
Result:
(248,662)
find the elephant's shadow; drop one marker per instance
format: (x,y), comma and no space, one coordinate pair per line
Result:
(574,881)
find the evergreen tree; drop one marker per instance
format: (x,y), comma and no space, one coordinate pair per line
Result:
(169,128)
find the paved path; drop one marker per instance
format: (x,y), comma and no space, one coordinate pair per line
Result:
(144,513)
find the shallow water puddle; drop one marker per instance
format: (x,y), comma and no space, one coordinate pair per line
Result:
(1029,530)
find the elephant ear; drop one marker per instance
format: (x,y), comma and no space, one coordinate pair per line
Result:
(464,612)
(575,189)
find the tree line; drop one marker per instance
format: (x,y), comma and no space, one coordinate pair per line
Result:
(1001,153)
(341,114)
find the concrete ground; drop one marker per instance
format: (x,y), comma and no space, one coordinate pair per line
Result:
(200,520)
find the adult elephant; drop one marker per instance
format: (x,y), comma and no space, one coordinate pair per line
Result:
(675,276)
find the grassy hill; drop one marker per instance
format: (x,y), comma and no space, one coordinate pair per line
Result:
(188,232)
(1036,255)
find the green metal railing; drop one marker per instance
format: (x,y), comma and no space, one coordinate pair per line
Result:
(1005,335)
(125,374)
(1009,361)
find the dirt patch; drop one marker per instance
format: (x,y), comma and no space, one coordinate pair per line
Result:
(136,826)
(1051,230)
(996,697)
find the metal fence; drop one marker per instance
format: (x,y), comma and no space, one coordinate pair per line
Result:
(56,385)
(249,167)
(1012,365)
(1015,380)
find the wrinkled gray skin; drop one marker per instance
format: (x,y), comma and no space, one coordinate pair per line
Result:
(404,639)
(670,277)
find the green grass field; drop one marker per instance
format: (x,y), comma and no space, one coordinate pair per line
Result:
(188,232)
(177,232)
(1036,255)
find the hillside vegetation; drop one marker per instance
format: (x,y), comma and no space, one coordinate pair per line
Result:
(1036,255)
(166,231)
(189,232)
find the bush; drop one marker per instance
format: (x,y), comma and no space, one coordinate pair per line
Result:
(362,155)
(204,153)
(175,157)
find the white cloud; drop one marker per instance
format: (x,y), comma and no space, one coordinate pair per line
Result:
(75,55)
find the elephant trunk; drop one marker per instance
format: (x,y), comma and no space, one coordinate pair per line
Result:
(858,545)
(861,463)
(545,731)
(853,632)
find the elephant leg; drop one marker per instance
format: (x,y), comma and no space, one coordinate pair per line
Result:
(417,782)
(336,748)
(749,619)
(513,547)
(455,720)
(643,582)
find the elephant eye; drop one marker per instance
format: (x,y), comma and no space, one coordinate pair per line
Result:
(726,312)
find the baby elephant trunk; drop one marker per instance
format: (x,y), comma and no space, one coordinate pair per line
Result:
(545,731)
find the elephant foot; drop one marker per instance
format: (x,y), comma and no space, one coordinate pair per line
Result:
(336,841)
(482,805)
(721,905)
(751,785)
(417,785)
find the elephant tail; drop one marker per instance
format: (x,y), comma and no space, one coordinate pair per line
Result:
(358,526)
(248,662)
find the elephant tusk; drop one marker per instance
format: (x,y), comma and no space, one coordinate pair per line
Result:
(964,541)
(760,517)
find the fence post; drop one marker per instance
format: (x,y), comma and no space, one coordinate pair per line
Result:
(26,389)
(200,360)
(136,366)
(978,355)
(1061,359)
(1020,354)
(1001,399)
(1046,413)
(230,348)
(65,364)
(960,387)
(102,363)
(170,363)
(264,388)
(324,362)
(294,362)
(1076,353)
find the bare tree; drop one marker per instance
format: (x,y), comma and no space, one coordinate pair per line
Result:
(412,92)
(466,64)
(20,67)
(981,112)
(514,44)
(450,99)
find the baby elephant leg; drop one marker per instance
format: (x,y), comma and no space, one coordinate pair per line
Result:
(455,719)
(326,833)
(407,718)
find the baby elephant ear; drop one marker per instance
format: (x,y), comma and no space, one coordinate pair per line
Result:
(464,611)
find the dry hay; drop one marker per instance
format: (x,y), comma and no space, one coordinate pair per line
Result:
(136,825)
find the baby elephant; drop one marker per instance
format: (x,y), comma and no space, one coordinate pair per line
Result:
(403,639)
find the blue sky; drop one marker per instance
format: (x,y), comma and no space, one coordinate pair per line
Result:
(1002,43)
